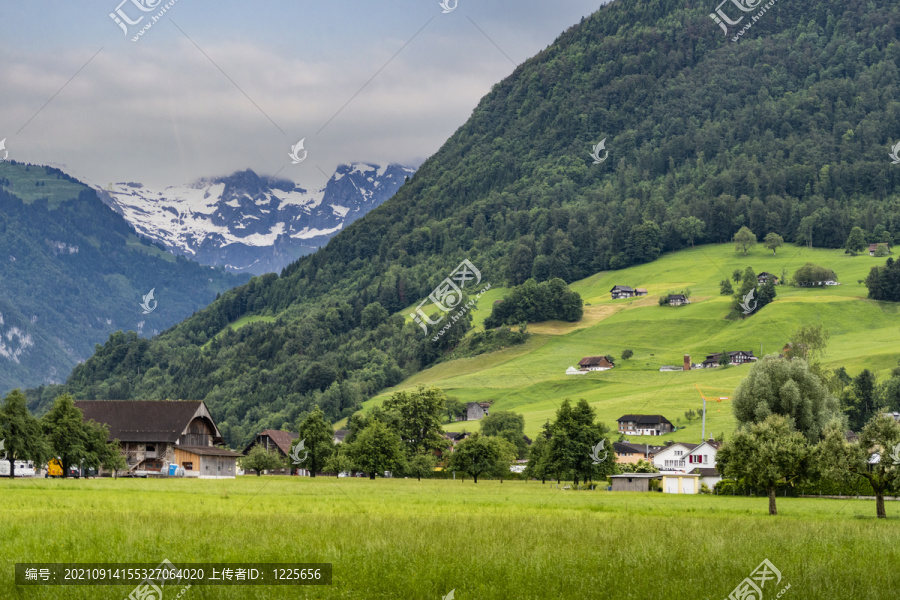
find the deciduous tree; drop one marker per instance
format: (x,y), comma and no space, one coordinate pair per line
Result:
(785,387)
(259,459)
(773,241)
(744,240)
(766,454)
(377,449)
(848,461)
(317,435)
(21,432)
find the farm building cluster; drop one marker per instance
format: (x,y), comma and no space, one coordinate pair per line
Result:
(623,291)
(714,360)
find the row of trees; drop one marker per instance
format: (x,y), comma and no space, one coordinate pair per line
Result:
(773,452)
(745,240)
(61,433)
(404,436)
(793,417)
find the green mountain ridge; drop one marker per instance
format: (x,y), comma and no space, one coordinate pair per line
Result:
(786,131)
(74,272)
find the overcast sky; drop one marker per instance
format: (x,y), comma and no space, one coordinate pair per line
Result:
(217,86)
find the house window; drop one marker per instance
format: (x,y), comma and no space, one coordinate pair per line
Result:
(188,466)
(679,452)
(150,448)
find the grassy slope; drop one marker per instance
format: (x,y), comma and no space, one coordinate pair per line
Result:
(407,539)
(22,184)
(531,379)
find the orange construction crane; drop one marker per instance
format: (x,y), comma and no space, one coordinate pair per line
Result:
(711,397)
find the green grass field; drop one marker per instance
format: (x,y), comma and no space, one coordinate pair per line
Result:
(531,379)
(408,539)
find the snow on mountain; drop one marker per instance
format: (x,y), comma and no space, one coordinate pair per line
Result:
(248,223)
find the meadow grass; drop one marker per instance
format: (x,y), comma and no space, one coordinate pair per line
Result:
(404,538)
(531,380)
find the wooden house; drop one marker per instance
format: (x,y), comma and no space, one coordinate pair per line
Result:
(678,300)
(738,357)
(644,425)
(873,248)
(595,363)
(621,291)
(764,278)
(156,434)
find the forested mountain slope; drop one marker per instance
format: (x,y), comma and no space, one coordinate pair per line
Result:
(787,130)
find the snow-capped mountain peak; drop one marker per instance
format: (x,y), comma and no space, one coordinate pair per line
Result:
(246,222)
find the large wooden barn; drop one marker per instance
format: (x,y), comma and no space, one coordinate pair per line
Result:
(155,434)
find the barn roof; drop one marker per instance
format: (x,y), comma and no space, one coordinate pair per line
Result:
(283,439)
(146,420)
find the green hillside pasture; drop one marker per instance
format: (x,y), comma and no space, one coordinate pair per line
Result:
(22,180)
(243,321)
(403,538)
(531,379)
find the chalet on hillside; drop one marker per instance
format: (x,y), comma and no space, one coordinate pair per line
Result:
(475,411)
(738,357)
(764,278)
(873,248)
(156,434)
(595,363)
(640,292)
(621,291)
(678,300)
(340,434)
(644,425)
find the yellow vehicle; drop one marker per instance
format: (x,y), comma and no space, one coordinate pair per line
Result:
(54,468)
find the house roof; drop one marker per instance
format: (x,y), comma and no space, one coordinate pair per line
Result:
(340,434)
(209,451)
(455,435)
(767,274)
(644,419)
(621,448)
(638,448)
(161,421)
(637,476)
(711,443)
(593,361)
(643,290)
(704,472)
(622,288)
(677,296)
(282,439)
(687,445)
